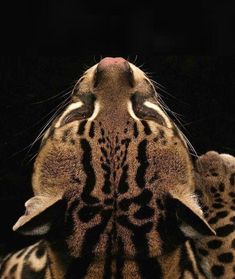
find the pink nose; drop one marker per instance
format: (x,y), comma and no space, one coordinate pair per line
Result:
(109,61)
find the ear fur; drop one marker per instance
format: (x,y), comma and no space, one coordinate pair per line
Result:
(41,214)
(190,217)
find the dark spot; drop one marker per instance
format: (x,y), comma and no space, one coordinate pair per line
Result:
(213,172)
(144,212)
(225,257)
(217,270)
(232,194)
(87,213)
(104,152)
(214,244)
(124,204)
(72,141)
(222,214)
(233,244)
(156,139)
(232,207)
(203,252)
(219,200)
(199,193)
(213,189)
(161,134)
(40,252)
(75,179)
(108,201)
(232,219)
(221,187)
(153,178)
(205,208)
(125,130)
(65,135)
(232,179)
(101,140)
(225,230)
(160,204)
(213,220)
(217,205)
(217,195)
(102,131)
(13,269)
(143,198)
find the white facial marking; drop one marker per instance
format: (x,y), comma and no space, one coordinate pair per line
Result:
(36,263)
(69,108)
(95,112)
(130,110)
(138,74)
(159,111)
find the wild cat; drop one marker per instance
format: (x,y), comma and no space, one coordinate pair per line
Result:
(114,188)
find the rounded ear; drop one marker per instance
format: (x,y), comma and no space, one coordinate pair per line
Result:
(190,217)
(41,214)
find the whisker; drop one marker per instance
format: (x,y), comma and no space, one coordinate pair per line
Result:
(175,116)
(58,109)
(60,95)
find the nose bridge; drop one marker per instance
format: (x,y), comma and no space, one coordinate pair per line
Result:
(113,61)
(111,68)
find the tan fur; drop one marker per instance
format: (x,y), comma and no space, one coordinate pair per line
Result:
(113,183)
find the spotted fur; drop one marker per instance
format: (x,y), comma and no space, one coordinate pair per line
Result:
(113,188)
(216,190)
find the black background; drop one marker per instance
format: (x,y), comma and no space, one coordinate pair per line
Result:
(187,49)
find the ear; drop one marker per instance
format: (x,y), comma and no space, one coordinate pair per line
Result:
(190,217)
(41,215)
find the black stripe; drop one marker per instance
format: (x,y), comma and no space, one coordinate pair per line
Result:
(108,258)
(92,130)
(4,263)
(79,267)
(136,132)
(149,268)
(123,184)
(107,173)
(81,127)
(147,129)
(90,173)
(142,158)
(120,260)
